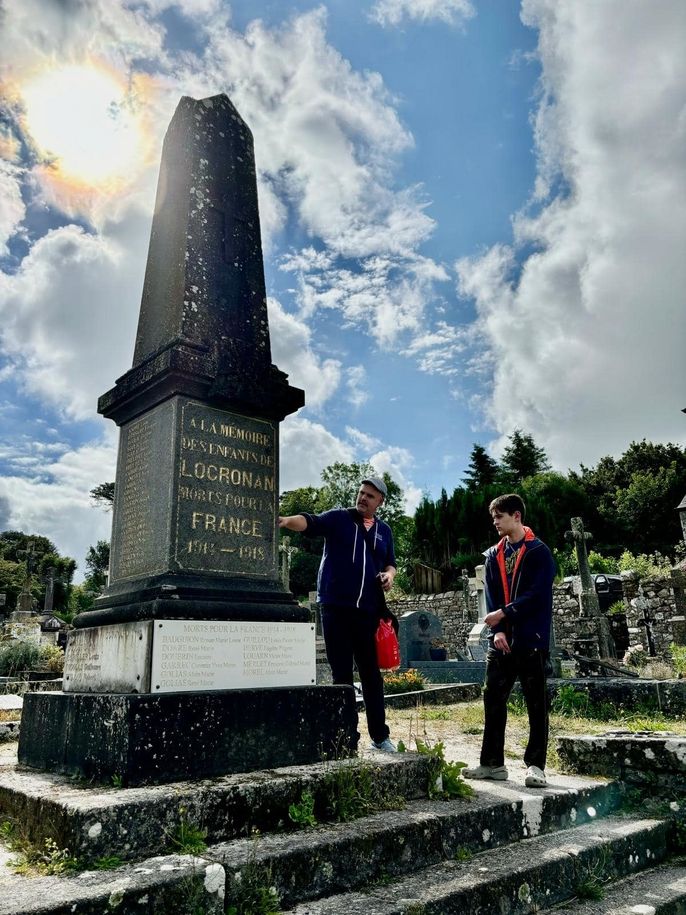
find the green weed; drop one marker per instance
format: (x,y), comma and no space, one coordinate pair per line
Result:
(186,838)
(117,781)
(589,888)
(250,891)
(302,813)
(352,791)
(107,863)
(448,782)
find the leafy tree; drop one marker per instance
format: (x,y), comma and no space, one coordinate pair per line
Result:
(342,481)
(13,548)
(103,495)
(482,470)
(632,499)
(97,563)
(523,458)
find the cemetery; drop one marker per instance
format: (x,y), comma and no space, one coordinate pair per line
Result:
(192,757)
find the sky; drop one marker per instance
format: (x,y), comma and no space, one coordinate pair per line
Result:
(473,218)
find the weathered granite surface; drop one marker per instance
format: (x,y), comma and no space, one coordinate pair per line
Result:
(144,739)
(646,758)
(94,821)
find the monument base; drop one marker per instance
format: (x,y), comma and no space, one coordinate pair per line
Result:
(143,739)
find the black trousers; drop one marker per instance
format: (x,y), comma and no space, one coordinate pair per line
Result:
(349,634)
(502,670)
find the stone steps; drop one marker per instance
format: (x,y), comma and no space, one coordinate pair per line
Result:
(508,848)
(529,876)
(331,859)
(137,822)
(169,885)
(658,891)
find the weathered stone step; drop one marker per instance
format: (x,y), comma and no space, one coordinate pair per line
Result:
(335,858)
(171,885)
(659,891)
(137,822)
(525,877)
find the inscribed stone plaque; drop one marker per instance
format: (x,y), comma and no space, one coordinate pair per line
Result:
(226,492)
(207,655)
(108,659)
(143,495)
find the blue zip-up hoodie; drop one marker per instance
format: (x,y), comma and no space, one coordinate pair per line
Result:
(529,614)
(349,564)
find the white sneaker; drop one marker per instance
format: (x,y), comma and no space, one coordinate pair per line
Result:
(535,778)
(386,746)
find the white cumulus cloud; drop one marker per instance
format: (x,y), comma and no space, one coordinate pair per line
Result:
(598,265)
(393,12)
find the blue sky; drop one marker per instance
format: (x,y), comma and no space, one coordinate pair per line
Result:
(474,218)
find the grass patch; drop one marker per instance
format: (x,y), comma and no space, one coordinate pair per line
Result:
(186,838)
(45,859)
(250,891)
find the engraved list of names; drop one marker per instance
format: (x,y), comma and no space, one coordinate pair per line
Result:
(142,495)
(203,654)
(226,492)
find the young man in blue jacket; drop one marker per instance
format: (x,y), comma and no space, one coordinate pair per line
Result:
(357,563)
(519,575)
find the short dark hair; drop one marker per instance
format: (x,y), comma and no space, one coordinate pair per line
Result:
(508,504)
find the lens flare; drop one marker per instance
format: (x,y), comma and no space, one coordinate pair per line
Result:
(83,121)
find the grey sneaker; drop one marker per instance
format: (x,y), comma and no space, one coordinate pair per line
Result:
(535,778)
(497,773)
(386,746)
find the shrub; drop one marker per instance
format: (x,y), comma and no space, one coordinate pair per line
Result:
(51,658)
(678,653)
(654,565)
(18,656)
(406,682)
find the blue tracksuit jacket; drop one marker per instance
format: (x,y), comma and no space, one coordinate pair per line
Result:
(349,564)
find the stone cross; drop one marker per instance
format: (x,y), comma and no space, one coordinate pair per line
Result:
(287,552)
(49,590)
(588,598)
(579,537)
(31,557)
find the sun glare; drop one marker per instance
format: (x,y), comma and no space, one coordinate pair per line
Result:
(81,118)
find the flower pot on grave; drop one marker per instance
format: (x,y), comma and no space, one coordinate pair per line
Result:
(438,654)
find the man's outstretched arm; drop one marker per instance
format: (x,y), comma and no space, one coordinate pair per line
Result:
(293,522)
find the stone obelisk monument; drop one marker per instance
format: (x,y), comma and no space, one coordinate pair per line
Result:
(196,660)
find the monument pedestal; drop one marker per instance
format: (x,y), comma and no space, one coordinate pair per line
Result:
(144,739)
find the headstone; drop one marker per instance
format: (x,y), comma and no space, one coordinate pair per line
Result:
(480,584)
(416,630)
(195,603)
(588,598)
(478,641)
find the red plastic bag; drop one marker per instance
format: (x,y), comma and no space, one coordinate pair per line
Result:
(387,648)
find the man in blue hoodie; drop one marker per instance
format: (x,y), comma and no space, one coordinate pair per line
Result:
(519,575)
(358,564)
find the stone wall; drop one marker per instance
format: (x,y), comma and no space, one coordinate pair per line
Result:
(656,597)
(457,616)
